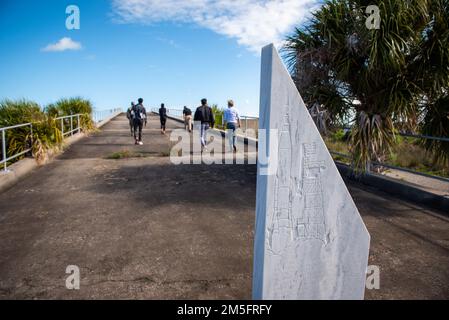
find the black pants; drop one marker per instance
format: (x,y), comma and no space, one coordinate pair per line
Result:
(138,124)
(163,122)
(131,125)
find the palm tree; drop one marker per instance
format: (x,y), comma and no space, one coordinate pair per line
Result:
(381,79)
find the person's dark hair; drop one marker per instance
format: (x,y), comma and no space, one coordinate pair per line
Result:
(140,100)
(204,101)
(162,105)
(132,103)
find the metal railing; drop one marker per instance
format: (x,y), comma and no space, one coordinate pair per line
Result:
(100,115)
(63,122)
(5,158)
(173,112)
(246,120)
(68,126)
(390,166)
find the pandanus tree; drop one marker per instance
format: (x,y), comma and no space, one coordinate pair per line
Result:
(384,78)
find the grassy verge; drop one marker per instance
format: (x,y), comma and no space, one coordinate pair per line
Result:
(406,153)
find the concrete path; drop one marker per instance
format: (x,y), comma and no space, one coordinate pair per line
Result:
(141,227)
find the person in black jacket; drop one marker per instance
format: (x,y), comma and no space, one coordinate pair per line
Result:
(187,114)
(163,117)
(139,117)
(204,115)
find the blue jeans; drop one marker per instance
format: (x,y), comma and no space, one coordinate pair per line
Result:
(231,126)
(204,128)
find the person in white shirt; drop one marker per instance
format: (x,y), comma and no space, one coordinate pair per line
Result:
(232,120)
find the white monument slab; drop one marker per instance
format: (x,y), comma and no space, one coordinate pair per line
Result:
(310,241)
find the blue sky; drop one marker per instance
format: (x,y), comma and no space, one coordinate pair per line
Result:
(170,51)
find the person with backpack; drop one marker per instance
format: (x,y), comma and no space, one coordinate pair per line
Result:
(163,117)
(205,116)
(139,118)
(187,114)
(129,115)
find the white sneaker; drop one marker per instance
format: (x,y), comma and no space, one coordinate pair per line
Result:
(140,143)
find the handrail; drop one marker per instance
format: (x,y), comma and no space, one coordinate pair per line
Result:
(72,130)
(423,137)
(15,126)
(5,157)
(412,135)
(63,120)
(100,115)
(74,127)
(390,166)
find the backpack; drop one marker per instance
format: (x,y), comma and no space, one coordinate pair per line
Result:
(138,112)
(129,113)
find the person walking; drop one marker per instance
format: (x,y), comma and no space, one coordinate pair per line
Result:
(139,118)
(163,117)
(205,116)
(232,120)
(129,115)
(187,114)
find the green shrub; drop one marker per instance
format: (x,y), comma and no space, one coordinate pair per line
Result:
(68,106)
(71,106)
(44,136)
(46,132)
(218,114)
(20,111)
(339,135)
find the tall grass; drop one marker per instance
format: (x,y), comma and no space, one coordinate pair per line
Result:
(69,106)
(46,133)
(406,153)
(218,114)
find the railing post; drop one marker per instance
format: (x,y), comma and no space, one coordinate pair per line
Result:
(32,140)
(4,148)
(71,125)
(62,127)
(78,122)
(368,166)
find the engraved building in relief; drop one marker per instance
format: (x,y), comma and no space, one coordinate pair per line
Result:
(299,190)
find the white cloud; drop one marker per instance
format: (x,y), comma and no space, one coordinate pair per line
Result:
(253,23)
(63,45)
